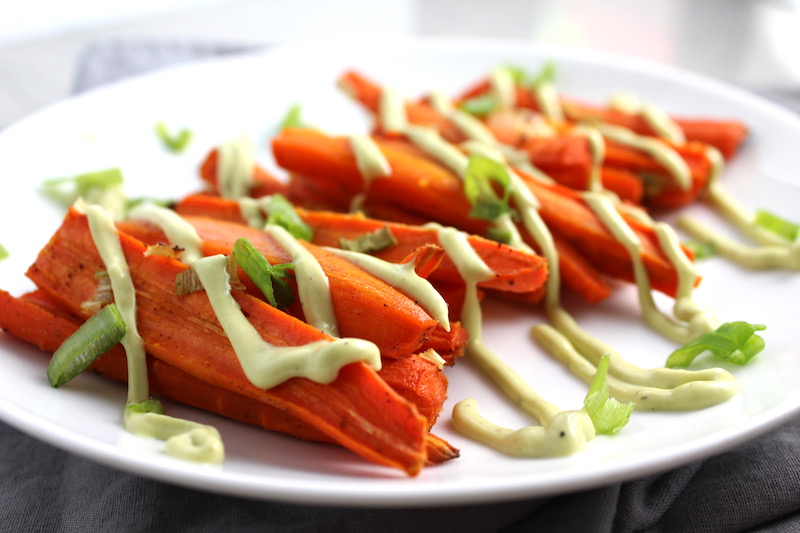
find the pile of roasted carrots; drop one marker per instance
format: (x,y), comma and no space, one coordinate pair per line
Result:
(386,416)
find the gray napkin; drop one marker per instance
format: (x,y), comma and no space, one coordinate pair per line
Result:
(755,487)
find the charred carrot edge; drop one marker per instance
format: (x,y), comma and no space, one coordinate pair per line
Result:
(562,208)
(264,183)
(725,135)
(567,214)
(358,410)
(516,271)
(363,303)
(35,319)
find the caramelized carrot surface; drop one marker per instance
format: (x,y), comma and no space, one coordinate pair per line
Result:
(358,410)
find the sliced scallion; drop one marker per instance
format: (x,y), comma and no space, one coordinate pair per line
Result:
(293,118)
(371,242)
(95,337)
(176,143)
(780,226)
(270,279)
(608,415)
(479,106)
(282,213)
(481,173)
(736,342)
(3,252)
(66,190)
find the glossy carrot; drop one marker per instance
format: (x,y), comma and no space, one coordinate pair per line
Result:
(724,134)
(516,271)
(358,410)
(564,157)
(434,193)
(37,319)
(363,303)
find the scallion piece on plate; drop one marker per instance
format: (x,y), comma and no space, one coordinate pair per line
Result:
(67,190)
(608,415)
(293,118)
(176,143)
(270,279)
(3,252)
(780,226)
(95,337)
(736,342)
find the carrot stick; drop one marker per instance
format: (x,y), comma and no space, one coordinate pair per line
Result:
(725,135)
(515,270)
(358,410)
(36,319)
(363,303)
(561,208)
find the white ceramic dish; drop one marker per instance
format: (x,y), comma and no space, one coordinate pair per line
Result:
(219,99)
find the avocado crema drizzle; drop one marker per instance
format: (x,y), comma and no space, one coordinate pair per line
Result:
(566,432)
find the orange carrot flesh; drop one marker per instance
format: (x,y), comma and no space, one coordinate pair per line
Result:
(725,135)
(32,319)
(358,410)
(359,299)
(36,319)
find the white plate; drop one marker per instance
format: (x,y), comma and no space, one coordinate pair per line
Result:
(219,99)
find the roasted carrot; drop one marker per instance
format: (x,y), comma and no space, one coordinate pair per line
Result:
(418,380)
(725,135)
(516,271)
(358,410)
(363,303)
(36,319)
(435,193)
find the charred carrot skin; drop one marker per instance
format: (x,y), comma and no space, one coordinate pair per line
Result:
(725,135)
(565,157)
(359,411)
(516,271)
(562,208)
(356,313)
(36,319)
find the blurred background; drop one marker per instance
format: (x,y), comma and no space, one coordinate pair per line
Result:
(752,43)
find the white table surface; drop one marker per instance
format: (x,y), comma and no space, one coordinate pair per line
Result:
(753,43)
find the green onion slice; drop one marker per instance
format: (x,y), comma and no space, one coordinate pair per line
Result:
(293,118)
(270,279)
(702,250)
(608,415)
(282,213)
(176,143)
(735,342)
(66,190)
(95,337)
(479,106)
(147,406)
(546,75)
(780,226)
(478,187)
(3,252)
(371,242)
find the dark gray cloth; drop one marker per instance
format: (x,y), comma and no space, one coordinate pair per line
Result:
(755,487)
